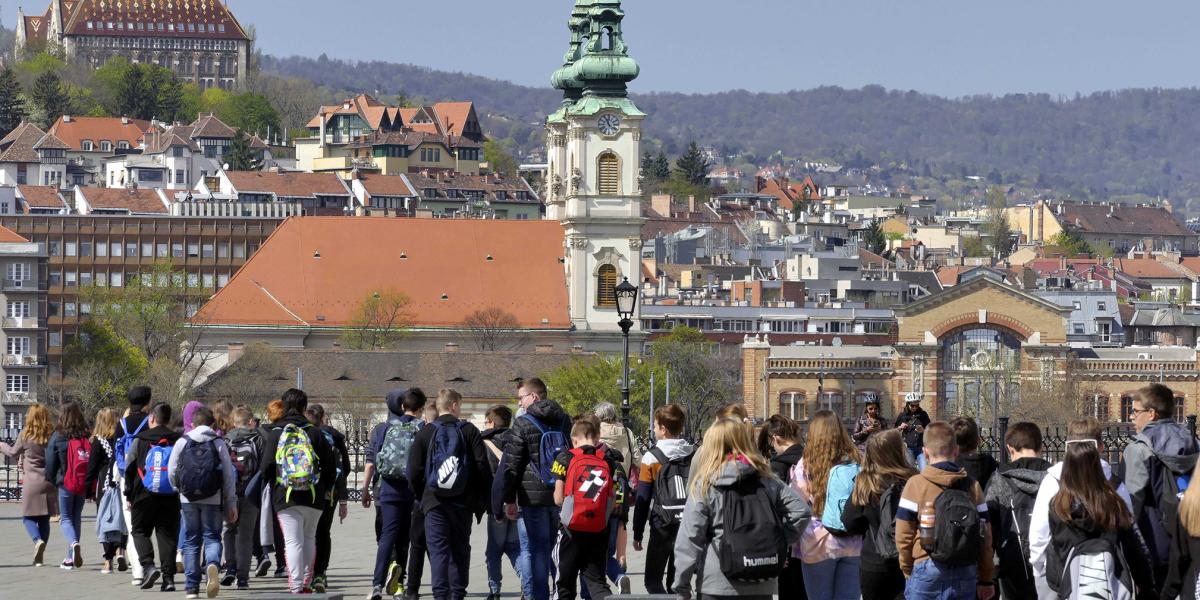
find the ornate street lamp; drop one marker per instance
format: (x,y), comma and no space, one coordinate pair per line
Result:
(626,294)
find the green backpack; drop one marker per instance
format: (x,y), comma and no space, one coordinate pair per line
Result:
(296,461)
(392,459)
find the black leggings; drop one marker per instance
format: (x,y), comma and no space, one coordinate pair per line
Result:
(886,585)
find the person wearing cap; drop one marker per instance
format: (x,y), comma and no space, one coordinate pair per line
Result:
(912,422)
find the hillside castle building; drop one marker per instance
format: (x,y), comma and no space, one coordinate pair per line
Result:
(200,40)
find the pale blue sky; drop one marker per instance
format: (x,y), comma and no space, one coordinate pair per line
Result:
(947,47)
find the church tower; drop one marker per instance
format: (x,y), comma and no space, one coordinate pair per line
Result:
(593,146)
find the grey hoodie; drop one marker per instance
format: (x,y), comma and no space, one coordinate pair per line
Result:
(200,434)
(703,526)
(1173,445)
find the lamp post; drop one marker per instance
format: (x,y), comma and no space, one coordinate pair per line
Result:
(626,294)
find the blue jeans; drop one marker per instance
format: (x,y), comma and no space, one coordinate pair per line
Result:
(835,579)
(71,508)
(204,522)
(613,569)
(38,528)
(932,582)
(537,528)
(502,540)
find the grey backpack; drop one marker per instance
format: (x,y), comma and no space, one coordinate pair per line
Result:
(392,458)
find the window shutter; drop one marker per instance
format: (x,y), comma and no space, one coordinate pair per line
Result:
(606,282)
(610,175)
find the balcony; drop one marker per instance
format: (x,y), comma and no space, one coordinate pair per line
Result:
(20,323)
(20,285)
(20,398)
(21,360)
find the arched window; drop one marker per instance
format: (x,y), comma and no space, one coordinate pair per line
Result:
(606,39)
(1126,408)
(833,401)
(608,178)
(606,286)
(793,405)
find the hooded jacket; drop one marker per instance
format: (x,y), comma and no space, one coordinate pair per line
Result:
(979,466)
(522,455)
(203,434)
(148,438)
(1013,488)
(782,463)
(1080,527)
(1039,524)
(864,521)
(924,488)
(326,466)
(389,490)
(647,473)
(1163,443)
(703,527)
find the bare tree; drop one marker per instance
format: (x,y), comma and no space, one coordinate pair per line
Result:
(380,323)
(252,380)
(494,328)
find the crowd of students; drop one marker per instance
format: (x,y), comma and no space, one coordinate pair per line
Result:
(751,513)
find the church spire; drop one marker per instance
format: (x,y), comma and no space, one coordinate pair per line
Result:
(604,67)
(564,77)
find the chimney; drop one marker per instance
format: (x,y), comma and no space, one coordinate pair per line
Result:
(66,118)
(451,347)
(691,204)
(235,352)
(760,182)
(124,120)
(577,349)
(544,349)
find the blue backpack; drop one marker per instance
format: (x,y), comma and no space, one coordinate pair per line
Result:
(154,472)
(837,494)
(198,470)
(126,441)
(553,443)
(446,468)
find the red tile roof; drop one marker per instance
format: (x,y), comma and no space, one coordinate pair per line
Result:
(287,185)
(40,196)
(22,143)
(326,266)
(136,201)
(8,236)
(1146,267)
(211,17)
(1123,220)
(385,185)
(112,129)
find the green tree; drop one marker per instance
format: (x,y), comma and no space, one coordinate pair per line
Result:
(587,381)
(499,158)
(380,322)
(974,247)
(248,111)
(692,167)
(1071,242)
(240,156)
(996,226)
(874,238)
(662,167)
(169,96)
(12,109)
(702,380)
(100,366)
(50,98)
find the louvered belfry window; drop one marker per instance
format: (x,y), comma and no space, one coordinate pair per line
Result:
(610,175)
(606,287)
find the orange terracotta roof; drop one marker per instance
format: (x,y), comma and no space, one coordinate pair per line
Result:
(454,115)
(40,196)
(8,236)
(112,129)
(287,185)
(316,271)
(784,195)
(385,185)
(179,19)
(1146,267)
(136,201)
(948,276)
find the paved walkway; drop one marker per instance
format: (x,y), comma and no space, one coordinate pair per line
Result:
(349,571)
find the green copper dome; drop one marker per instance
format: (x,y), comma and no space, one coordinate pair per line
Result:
(604,67)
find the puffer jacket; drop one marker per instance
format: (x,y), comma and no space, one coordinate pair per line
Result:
(703,526)
(522,455)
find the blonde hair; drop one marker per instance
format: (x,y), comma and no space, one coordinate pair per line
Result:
(885,464)
(1189,506)
(725,440)
(828,445)
(447,398)
(39,425)
(106,424)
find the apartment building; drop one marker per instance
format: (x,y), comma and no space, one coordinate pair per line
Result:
(23,291)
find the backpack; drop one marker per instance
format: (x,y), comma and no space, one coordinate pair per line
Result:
(125,442)
(1169,492)
(885,535)
(553,443)
(296,461)
(958,528)
(446,468)
(245,457)
(198,470)
(837,493)
(154,471)
(1012,551)
(392,459)
(753,546)
(1095,569)
(670,487)
(589,492)
(79,452)
(337,454)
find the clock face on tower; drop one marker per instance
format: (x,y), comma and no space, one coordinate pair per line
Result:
(609,124)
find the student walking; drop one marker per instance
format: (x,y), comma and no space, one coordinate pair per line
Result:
(201,470)
(154,503)
(1160,459)
(1094,551)
(503,539)
(111,527)
(979,466)
(300,473)
(67,457)
(246,454)
(1010,497)
(537,436)
(824,479)
(337,501)
(740,558)
(661,496)
(447,465)
(780,439)
(871,513)
(135,421)
(591,489)
(943,557)
(1184,571)
(386,461)
(39,498)
(270,536)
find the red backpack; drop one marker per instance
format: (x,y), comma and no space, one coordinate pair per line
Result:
(588,492)
(79,452)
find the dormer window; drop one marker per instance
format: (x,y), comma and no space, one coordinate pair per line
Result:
(87,146)
(123,145)
(105,146)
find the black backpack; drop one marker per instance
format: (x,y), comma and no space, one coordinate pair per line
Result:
(670,488)
(885,536)
(199,470)
(1012,547)
(958,528)
(753,546)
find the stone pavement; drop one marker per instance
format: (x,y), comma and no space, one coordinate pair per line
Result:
(349,570)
